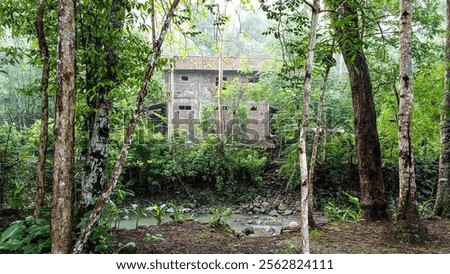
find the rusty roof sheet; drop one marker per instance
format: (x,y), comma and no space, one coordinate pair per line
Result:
(212,63)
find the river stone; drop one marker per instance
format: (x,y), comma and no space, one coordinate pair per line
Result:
(292,225)
(248,230)
(288,212)
(272,222)
(271,230)
(265,204)
(282,207)
(273,212)
(187,210)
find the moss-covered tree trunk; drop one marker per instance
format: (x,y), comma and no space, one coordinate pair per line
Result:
(99,133)
(442,205)
(374,204)
(63,179)
(112,182)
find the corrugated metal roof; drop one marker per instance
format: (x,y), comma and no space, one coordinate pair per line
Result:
(212,63)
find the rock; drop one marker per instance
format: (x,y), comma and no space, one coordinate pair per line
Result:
(265,204)
(250,222)
(288,212)
(282,207)
(292,225)
(271,231)
(273,212)
(272,222)
(248,230)
(187,210)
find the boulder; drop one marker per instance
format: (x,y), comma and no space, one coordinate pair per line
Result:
(273,212)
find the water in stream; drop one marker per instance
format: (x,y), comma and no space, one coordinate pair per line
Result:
(261,224)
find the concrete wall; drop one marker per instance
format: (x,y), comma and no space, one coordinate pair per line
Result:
(190,90)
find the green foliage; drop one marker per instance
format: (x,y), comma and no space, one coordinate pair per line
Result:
(426,208)
(102,239)
(154,237)
(177,212)
(138,211)
(159,212)
(210,164)
(27,236)
(112,214)
(335,213)
(217,218)
(288,249)
(315,233)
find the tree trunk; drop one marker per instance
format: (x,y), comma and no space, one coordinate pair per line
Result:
(98,147)
(64,130)
(304,129)
(109,188)
(315,146)
(442,205)
(43,47)
(408,216)
(374,204)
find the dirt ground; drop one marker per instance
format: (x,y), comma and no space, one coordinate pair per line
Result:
(333,238)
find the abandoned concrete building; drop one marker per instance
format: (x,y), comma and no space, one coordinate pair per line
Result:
(192,84)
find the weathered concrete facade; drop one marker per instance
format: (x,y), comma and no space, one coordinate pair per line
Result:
(192,84)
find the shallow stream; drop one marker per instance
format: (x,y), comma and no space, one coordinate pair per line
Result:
(261,224)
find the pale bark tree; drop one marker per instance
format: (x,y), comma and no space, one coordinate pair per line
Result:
(63,179)
(303,162)
(43,47)
(408,216)
(97,156)
(442,205)
(318,133)
(112,182)
(374,204)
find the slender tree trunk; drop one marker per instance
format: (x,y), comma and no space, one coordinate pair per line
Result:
(63,180)
(98,146)
(442,205)
(43,47)
(110,186)
(221,126)
(315,146)
(408,217)
(304,129)
(374,204)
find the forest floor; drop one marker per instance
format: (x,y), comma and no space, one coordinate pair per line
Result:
(193,237)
